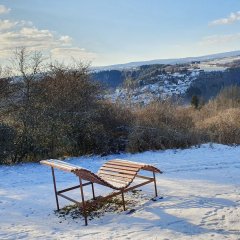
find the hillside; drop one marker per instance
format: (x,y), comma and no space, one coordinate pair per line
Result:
(142,84)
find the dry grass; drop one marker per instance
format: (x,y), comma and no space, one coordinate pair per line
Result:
(162,125)
(224,127)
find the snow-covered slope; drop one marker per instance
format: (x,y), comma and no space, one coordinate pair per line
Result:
(179,81)
(167,85)
(161,79)
(200,189)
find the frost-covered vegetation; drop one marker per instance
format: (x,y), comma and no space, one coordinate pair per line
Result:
(54,110)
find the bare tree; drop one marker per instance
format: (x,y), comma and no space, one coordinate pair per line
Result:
(26,69)
(27,66)
(57,110)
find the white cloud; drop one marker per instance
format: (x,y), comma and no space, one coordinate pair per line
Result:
(220,39)
(13,25)
(25,34)
(6,24)
(4,9)
(30,37)
(233,17)
(22,33)
(66,40)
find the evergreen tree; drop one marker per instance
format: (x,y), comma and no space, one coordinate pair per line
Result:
(195,102)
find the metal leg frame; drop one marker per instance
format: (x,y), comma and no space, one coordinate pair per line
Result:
(55,188)
(83,203)
(124,208)
(155,184)
(93,192)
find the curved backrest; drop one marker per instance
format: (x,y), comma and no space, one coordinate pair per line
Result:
(123,172)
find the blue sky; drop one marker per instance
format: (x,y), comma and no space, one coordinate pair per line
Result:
(108,32)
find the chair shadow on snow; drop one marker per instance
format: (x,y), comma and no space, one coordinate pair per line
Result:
(197,202)
(152,215)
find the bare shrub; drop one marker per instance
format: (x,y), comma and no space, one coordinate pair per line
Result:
(104,131)
(162,125)
(223,127)
(61,112)
(228,97)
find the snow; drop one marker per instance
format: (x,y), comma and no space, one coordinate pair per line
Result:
(207,67)
(217,64)
(200,188)
(165,86)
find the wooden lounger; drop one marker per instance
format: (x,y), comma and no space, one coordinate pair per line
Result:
(116,174)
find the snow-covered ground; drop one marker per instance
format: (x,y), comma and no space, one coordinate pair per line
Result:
(200,189)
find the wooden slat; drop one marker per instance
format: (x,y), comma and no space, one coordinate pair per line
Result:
(109,179)
(115,174)
(127,161)
(66,163)
(60,167)
(103,175)
(143,166)
(116,180)
(118,162)
(118,170)
(121,166)
(122,175)
(139,165)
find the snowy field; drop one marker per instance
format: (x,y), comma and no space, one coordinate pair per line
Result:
(200,189)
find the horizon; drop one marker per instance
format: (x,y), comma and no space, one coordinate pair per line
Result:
(106,33)
(168,59)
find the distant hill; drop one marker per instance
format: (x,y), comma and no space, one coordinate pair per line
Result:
(203,76)
(169,61)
